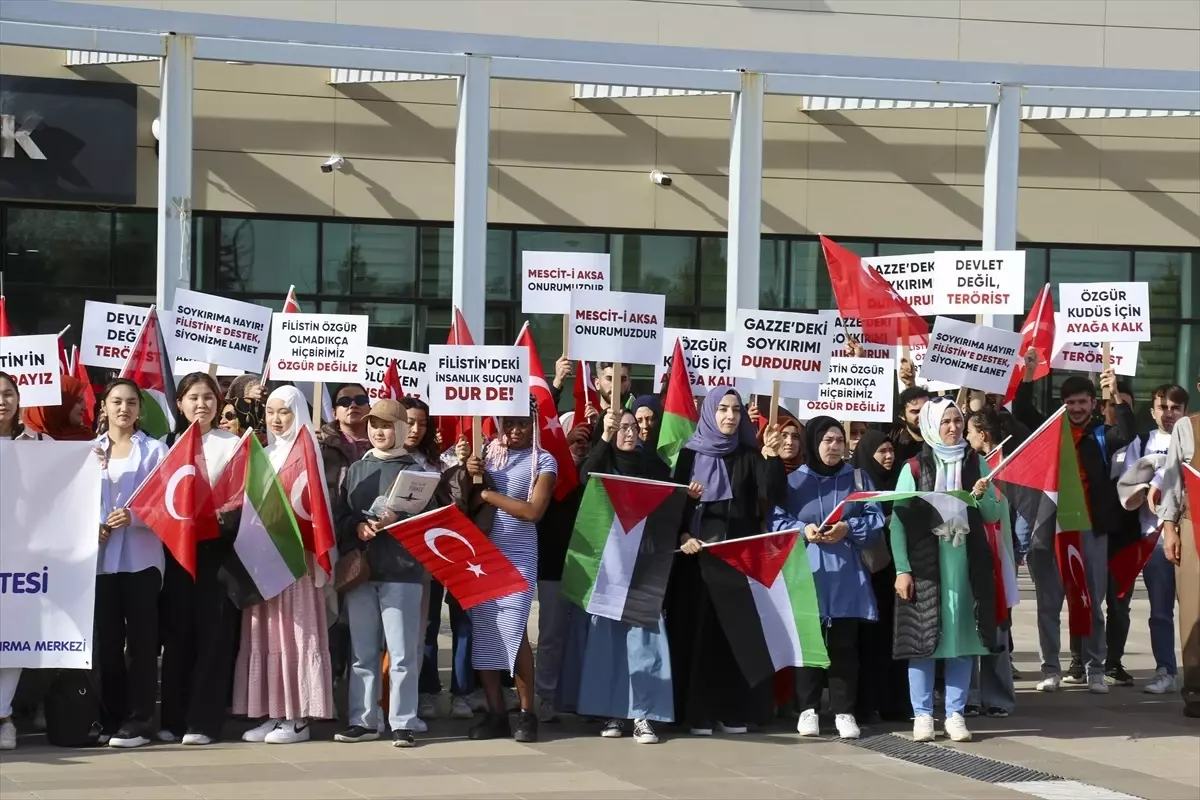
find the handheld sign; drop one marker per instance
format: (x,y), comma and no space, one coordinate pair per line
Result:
(707,356)
(217,330)
(911,277)
(843,329)
(548,278)
(323,348)
(413,369)
(32,361)
(109,330)
(782,346)
(974,356)
(1089,356)
(857,388)
(916,355)
(968,282)
(1105,312)
(616,326)
(479,380)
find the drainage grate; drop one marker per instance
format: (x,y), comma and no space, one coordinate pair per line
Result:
(955,762)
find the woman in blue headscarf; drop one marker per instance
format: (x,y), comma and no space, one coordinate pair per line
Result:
(741,483)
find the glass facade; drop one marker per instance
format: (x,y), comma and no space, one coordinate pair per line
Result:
(400,274)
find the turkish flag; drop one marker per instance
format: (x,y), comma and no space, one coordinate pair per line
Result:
(585,392)
(89,394)
(1038,333)
(175,501)
(862,293)
(302,477)
(1068,547)
(392,390)
(5,330)
(459,556)
(450,429)
(553,437)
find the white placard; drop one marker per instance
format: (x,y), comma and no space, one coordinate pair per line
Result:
(858,389)
(413,369)
(911,277)
(916,355)
(973,282)
(331,348)
(49,513)
(707,356)
(109,331)
(843,328)
(976,356)
(32,361)
(184,367)
(479,380)
(217,330)
(1105,312)
(1089,356)
(787,390)
(616,326)
(782,346)
(548,278)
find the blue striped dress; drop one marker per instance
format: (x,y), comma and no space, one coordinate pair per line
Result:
(498,626)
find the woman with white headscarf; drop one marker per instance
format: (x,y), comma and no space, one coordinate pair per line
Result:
(283,669)
(945,586)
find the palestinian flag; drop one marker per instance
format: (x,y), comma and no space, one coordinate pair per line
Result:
(621,550)
(766,601)
(268,553)
(149,367)
(679,410)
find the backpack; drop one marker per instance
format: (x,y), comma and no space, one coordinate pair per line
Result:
(73,710)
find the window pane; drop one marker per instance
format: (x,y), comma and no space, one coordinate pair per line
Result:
(912,248)
(1087,266)
(436,329)
(655,265)
(259,255)
(437,263)
(1174,288)
(369,260)
(392,324)
(810,287)
(714,259)
(1035,275)
(560,242)
(57,248)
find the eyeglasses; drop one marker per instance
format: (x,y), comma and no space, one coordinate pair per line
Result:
(357,400)
(628,427)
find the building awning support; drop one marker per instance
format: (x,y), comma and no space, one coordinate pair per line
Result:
(174,253)
(745,198)
(1000,172)
(471,193)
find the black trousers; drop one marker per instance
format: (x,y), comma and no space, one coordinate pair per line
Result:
(841,640)
(126,646)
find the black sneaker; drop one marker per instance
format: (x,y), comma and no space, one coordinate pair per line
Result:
(356,733)
(971,711)
(493,726)
(403,738)
(131,734)
(527,728)
(996,712)
(1117,676)
(1074,674)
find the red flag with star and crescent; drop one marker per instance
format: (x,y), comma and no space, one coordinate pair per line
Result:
(1038,333)
(459,556)
(392,388)
(862,293)
(451,429)
(302,477)
(175,501)
(553,437)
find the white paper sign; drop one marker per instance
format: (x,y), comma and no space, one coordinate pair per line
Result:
(217,330)
(49,513)
(975,356)
(910,276)
(413,369)
(1089,356)
(787,391)
(411,491)
(32,361)
(548,278)
(707,356)
(916,355)
(184,367)
(616,326)
(109,331)
(1105,312)
(782,346)
(479,380)
(844,328)
(319,347)
(858,389)
(971,282)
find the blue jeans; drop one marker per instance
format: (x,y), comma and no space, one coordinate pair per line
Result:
(462,675)
(380,612)
(958,684)
(1159,577)
(992,681)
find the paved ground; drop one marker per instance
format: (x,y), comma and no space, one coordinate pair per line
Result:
(1127,742)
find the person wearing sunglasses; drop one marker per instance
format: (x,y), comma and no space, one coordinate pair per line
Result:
(344,440)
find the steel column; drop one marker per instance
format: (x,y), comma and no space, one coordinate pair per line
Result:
(1000,180)
(175,170)
(745,198)
(471,193)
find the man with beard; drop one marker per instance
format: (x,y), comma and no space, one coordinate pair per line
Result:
(906,433)
(604,385)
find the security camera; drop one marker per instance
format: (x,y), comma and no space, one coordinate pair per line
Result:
(332,163)
(660,177)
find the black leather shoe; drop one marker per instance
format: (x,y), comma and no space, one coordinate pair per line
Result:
(493,726)
(527,728)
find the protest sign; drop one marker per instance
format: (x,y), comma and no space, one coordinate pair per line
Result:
(1089,356)
(184,367)
(974,356)
(845,328)
(1105,312)
(413,369)
(972,282)
(750,387)
(109,330)
(623,327)
(548,278)
(479,380)
(917,356)
(217,330)
(32,361)
(330,348)
(49,512)
(857,388)
(911,277)
(707,356)
(782,346)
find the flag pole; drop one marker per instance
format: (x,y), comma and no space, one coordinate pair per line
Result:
(63,332)
(769,534)
(1017,451)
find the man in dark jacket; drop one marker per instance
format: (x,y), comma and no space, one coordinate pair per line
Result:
(906,432)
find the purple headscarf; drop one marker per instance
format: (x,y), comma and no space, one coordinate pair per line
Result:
(711,446)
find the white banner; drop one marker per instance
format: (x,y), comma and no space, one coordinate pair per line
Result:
(787,390)
(1089,356)
(217,330)
(616,326)
(548,278)
(32,361)
(50,515)
(1105,312)
(109,331)
(858,389)
(910,276)
(413,369)
(844,328)
(706,354)
(183,367)
(331,348)
(972,282)
(916,355)
(975,356)
(782,346)
(479,380)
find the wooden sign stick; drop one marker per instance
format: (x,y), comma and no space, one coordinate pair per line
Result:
(1106,360)
(477,443)
(317,405)
(773,415)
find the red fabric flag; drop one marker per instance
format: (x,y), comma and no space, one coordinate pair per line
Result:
(553,437)
(392,390)
(585,392)
(862,293)
(1130,560)
(451,429)
(459,556)
(179,511)
(1191,488)
(64,363)
(4,329)
(292,306)
(302,479)
(1038,333)
(89,394)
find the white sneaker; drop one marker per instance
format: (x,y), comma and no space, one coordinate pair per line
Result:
(847,726)
(166,736)
(289,732)
(613,729)
(1097,684)
(1163,683)
(8,735)
(809,724)
(643,732)
(956,728)
(477,701)
(923,728)
(427,706)
(125,739)
(259,733)
(731,730)
(417,725)
(700,731)
(1050,683)
(196,739)
(545,711)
